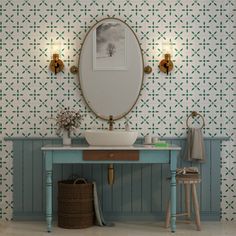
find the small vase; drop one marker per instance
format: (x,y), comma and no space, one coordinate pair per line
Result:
(66,138)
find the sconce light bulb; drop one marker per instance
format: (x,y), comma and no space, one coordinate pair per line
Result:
(167,57)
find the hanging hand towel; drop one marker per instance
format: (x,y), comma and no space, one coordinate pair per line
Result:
(195,149)
(98,211)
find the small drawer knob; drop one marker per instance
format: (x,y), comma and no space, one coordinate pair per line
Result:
(111,155)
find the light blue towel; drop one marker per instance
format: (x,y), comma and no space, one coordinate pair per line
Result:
(97,207)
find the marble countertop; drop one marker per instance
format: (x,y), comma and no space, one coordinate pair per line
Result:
(87,147)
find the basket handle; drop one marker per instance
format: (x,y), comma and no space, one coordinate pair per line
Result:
(82,179)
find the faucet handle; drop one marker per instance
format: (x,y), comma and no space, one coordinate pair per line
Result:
(111,122)
(111,119)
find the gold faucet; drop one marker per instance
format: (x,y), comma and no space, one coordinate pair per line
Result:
(111,122)
(111,171)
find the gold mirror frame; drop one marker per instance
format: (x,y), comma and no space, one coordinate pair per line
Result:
(96,24)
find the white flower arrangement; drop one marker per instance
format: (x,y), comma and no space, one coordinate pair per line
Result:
(68,120)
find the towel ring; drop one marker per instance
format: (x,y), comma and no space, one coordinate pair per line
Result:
(194,114)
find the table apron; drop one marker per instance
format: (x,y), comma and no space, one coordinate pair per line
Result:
(148,157)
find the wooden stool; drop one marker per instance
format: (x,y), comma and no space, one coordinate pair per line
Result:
(188,182)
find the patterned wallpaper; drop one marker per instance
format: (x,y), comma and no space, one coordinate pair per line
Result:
(203,34)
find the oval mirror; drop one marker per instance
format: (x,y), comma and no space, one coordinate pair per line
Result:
(111,68)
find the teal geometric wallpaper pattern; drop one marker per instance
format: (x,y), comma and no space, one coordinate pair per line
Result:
(203,33)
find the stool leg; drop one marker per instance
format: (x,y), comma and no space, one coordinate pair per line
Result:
(167,224)
(187,200)
(196,207)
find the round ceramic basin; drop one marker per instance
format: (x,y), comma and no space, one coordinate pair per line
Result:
(110,138)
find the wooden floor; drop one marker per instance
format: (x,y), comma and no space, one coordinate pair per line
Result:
(120,229)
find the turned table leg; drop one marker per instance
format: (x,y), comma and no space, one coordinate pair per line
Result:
(167,224)
(49,201)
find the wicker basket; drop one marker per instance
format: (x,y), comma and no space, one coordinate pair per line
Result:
(69,189)
(75,204)
(75,221)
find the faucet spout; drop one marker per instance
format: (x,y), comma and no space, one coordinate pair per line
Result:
(111,122)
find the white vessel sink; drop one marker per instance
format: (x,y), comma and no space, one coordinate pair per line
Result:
(110,138)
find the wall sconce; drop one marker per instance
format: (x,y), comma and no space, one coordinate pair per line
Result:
(166,65)
(56,64)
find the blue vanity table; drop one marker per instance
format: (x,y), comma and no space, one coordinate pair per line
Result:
(57,154)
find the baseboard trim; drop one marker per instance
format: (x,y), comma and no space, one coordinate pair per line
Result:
(139,216)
